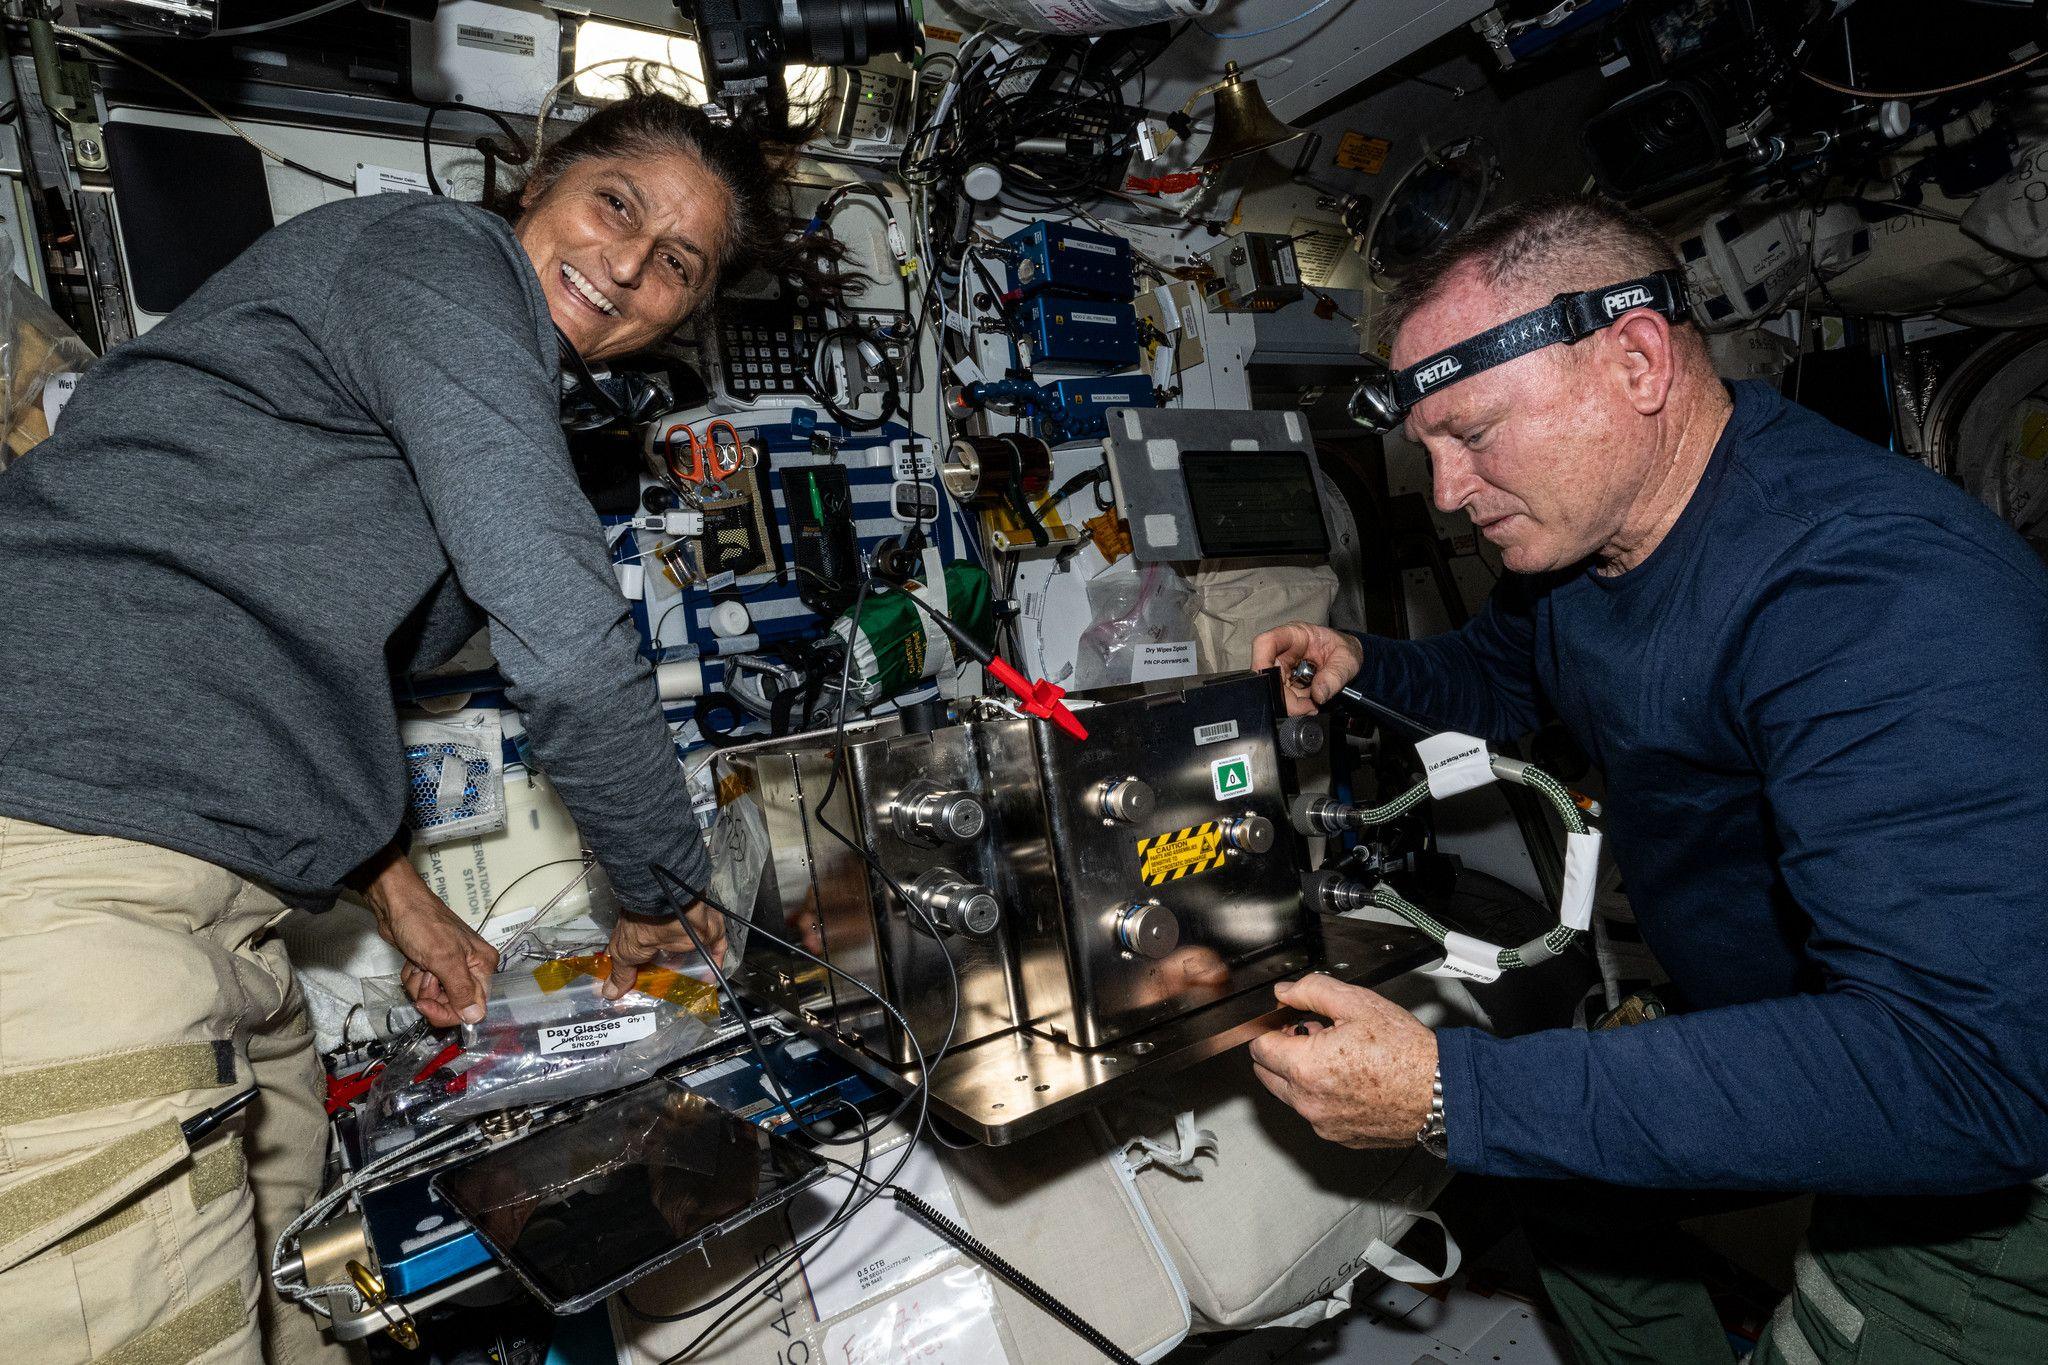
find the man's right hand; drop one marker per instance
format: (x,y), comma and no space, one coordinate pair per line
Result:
(1337,658)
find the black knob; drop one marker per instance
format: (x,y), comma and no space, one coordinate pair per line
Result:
(1299,736)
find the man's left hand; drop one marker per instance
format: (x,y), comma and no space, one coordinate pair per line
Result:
(1362,1080)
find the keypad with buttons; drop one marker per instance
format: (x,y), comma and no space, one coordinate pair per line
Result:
(763,344)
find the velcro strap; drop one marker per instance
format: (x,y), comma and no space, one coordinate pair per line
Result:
(188,1335)
(218,1170)
(119,1078)
(45,1208)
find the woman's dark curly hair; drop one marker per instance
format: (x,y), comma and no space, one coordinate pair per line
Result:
(752,156)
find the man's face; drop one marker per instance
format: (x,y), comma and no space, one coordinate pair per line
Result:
(626,247)
(1544,453)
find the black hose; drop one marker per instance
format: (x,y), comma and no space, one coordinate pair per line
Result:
(967,1242)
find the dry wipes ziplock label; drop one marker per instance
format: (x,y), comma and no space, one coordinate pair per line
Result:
(1581,872)
(1454,763)
(1468,959)
(1170,659)
(594,1035)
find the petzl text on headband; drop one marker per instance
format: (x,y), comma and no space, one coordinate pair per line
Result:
(1383,398)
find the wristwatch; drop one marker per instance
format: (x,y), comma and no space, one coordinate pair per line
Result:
(1431,1135)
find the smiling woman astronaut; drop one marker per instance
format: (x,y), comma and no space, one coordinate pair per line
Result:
(337,459)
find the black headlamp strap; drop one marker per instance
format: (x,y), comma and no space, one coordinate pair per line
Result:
(1566,318)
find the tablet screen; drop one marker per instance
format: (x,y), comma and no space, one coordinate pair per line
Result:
(579,1210)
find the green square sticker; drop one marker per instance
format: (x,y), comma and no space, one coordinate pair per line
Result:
(1232,777)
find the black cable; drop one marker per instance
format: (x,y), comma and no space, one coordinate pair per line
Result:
(492,908)
(492,154)
(774,1270)
(891,399)
(922,1093)
(269,24)
(973,1246)
(780,1091)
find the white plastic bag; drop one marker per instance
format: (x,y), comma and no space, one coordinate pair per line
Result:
(1142,626)
(547,1035)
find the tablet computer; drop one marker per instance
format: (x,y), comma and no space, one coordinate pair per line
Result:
(582,1209)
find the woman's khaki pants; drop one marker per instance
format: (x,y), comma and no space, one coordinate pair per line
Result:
(139,987)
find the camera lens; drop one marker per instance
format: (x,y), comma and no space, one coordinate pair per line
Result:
(845,32)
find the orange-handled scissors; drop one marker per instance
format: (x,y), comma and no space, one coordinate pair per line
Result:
(714,457)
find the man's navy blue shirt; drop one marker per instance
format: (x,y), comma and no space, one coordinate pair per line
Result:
(1821,705)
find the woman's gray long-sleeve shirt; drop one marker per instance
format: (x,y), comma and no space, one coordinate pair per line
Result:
(331,464)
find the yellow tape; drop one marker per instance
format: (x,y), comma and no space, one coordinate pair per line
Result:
(1189,852)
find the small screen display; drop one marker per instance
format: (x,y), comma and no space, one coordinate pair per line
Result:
(1253,503)
(582,1209)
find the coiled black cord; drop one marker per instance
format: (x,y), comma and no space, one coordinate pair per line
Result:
(968,1243)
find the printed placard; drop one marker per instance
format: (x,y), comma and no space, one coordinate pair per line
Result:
(595,1035)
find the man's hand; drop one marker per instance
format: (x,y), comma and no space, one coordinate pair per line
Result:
(639,939)
(447,964)
(1363,1079)
(1337,658)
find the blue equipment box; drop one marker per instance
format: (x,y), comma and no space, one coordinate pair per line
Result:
(1061,259)
(1078,409)
(1067,335)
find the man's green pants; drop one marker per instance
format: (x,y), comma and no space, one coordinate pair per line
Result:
(1877,1281)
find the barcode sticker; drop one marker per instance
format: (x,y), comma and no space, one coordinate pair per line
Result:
(1215,734)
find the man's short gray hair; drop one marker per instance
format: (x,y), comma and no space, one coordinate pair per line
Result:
(1548,245)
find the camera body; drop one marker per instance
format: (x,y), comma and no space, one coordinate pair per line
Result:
(746,43)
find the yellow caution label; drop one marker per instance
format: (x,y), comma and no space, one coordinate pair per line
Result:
(1357,152)
(1186,852)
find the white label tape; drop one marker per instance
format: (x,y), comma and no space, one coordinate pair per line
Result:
(1581,875)
(1454,762)
(593,1035)
(1468,959)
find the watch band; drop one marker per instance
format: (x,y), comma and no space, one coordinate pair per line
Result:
(1432,1136)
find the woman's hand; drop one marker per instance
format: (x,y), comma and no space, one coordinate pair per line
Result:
(447,964)
(639,939)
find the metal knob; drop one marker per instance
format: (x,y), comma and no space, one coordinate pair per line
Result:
(1249,833)
(1126,799)
(926,813)
(956,905)
(1299,736)
(1148,929)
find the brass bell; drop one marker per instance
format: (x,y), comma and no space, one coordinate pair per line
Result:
(1243,122)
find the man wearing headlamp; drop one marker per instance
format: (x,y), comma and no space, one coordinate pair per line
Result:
(1810,670)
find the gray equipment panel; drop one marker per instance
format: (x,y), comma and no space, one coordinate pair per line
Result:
(1144,449)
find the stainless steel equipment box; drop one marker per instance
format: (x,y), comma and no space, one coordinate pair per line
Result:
(1058,916)
(1152,869)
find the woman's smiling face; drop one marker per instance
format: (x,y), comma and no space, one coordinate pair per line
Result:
(626,247)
